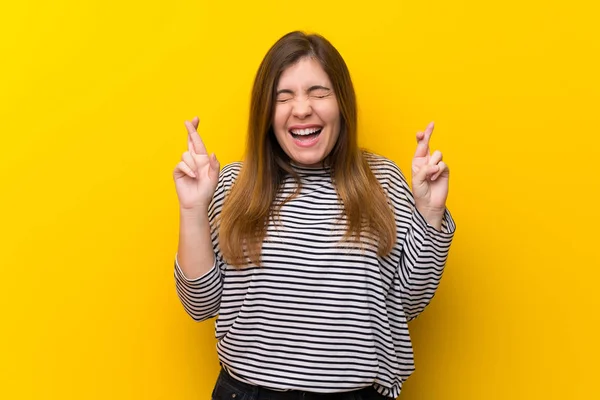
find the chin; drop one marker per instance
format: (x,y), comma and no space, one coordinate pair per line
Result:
(308,152)
(307,157)
(308,161)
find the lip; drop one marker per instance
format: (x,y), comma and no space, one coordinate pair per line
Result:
(306,143)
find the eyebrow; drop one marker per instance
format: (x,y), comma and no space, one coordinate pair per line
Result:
(310,89)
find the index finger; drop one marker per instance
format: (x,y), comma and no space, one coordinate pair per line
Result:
(195,144)
(423,142)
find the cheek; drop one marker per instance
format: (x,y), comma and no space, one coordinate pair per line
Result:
(279,124)
(280,118)
(334,119)
(330,113)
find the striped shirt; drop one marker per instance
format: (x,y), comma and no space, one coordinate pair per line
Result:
(321,315)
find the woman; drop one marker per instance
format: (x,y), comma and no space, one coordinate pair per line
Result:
(313,253)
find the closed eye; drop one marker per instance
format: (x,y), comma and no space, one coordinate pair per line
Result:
(284,95)
(319,91)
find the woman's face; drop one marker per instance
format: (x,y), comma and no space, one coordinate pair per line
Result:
(307,115)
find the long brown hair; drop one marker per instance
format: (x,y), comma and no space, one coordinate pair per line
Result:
(252,200)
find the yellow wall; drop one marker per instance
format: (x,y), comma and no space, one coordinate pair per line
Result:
(93,98)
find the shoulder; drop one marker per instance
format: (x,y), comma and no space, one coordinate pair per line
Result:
(384,168)
(228,175)
(392,180)
(231,169)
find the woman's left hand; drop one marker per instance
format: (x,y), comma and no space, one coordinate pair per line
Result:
(430,176)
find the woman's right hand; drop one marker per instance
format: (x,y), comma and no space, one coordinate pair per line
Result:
(197,175)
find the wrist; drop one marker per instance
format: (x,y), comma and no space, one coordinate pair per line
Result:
(433,217)
(194,213)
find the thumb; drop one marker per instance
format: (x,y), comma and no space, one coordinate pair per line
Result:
(425,172)
(214,167)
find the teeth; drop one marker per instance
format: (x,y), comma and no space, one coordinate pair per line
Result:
(308,131)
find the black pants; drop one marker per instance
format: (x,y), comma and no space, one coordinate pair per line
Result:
(228,388)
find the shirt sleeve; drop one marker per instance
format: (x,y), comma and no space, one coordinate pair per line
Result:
(201,297)
(423,260)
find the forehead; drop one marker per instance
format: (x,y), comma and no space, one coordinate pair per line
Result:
(304,73)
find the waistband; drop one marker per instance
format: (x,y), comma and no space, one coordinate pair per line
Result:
(259,392)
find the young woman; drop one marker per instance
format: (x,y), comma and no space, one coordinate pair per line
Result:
(313,253)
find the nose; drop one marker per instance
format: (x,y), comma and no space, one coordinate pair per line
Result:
(302,108)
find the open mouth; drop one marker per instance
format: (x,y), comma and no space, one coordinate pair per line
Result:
(306,134)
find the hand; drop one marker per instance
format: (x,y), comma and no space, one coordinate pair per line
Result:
(430,176)
(197,175)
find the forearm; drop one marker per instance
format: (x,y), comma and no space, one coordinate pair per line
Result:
(195,254)
(425,255)
(434,218)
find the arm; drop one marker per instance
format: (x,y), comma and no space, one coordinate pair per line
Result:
(197,279)
(200,290)
(430,228)
(198,183)
(195,253)
(423,245)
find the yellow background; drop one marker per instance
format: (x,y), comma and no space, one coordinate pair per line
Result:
(93,99)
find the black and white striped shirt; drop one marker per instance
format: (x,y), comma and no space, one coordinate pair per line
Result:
(318,315)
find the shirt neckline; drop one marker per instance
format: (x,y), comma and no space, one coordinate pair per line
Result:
(310,170)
